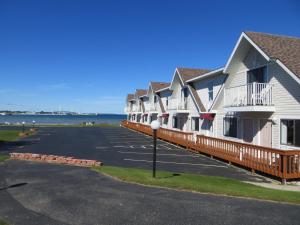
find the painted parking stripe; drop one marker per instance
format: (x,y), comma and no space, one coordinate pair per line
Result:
(177,163)
(162,154)
(146,147)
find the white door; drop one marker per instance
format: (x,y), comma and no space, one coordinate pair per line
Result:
(248,130)
(266,133)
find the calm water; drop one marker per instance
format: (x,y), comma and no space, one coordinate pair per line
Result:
(62,119)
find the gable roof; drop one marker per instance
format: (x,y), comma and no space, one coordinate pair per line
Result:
(190,73)
(206,75)
(163,87)
(159,85)
(140,92)
(284,48)
(130,97)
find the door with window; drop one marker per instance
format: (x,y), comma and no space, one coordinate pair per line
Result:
(248,130)
(256,79)
(266,133)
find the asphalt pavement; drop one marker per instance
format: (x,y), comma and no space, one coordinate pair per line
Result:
(58,195)
(118,146)
(40,193)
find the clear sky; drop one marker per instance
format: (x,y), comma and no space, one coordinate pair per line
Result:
(87,55)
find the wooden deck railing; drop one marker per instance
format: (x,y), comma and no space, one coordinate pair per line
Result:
(279,163)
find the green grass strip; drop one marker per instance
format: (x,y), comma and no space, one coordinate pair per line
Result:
(200,183)
(2,222)
(9,135)
(3,157)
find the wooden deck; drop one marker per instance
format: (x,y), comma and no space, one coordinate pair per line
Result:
(275,162)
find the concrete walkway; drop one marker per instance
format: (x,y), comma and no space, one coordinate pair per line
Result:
(292,186)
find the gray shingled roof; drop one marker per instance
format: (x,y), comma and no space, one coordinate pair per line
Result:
(140,92)
(159,85)
(189,73)
(284,48)
(130,97)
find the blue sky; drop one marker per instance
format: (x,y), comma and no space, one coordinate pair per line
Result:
(87,55)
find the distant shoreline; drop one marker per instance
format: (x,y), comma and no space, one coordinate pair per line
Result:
(30,120)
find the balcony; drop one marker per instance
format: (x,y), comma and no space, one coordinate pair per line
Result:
(249,97)
(154,107)
(180,105)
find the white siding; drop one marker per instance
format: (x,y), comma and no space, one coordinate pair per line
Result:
(201,87)
(286,97)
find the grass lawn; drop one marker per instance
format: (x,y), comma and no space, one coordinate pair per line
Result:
(3,222)
(2,159)
(199,183)
(9,135)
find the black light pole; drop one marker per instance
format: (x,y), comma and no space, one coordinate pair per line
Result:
(155,126)
(154,154)
(23,127)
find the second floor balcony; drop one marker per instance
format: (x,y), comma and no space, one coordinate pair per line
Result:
(133,108)
(249,97)
(177,104)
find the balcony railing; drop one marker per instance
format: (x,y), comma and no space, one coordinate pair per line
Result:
(253,94)
(278,163)
(177,104)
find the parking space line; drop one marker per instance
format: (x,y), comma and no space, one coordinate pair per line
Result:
(162,154)
(101,147)
(177,163)
(122,142)
(164,145)
(148,146)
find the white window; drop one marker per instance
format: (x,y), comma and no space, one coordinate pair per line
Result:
(230,126)
(175,122)
(195,123)
(290,132)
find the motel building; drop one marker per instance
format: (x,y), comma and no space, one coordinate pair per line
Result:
(253,99)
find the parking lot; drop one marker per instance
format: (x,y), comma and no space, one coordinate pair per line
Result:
(119,146)
(53,194)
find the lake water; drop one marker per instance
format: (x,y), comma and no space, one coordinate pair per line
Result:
(62,119)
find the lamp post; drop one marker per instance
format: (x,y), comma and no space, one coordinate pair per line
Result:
(23,126)
(155,126)
(33,124)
